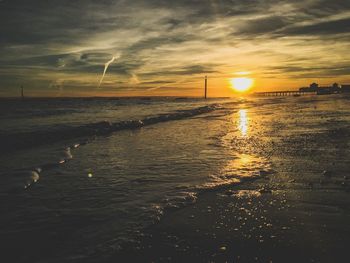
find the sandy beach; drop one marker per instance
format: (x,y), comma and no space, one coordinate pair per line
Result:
(243,225)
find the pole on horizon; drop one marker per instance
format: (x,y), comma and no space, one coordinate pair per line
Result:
(205,87)
(22,92)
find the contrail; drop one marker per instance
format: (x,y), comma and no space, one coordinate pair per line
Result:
(105,70)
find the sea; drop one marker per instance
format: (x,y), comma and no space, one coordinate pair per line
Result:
(82,177)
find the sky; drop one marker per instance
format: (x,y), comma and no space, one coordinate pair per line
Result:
(165,48)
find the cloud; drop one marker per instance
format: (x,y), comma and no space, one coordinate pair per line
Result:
(44,42)
(262,25)
(312,72)
(341,26)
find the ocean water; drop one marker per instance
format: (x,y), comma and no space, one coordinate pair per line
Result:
(82,178)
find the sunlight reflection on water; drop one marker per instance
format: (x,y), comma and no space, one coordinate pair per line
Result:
(244,165)
(246,162)
(243,122)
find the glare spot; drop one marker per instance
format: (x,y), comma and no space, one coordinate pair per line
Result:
(242,84)
(243,122)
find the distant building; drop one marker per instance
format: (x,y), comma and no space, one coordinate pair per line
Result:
(313,87)
(345,88)
(324,90)
(335,88)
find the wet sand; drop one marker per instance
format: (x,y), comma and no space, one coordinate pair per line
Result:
(297,212)
(243,225)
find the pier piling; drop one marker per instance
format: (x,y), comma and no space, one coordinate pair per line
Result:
(205,87)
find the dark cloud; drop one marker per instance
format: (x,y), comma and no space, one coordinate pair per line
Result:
(316,71)
(341,26)
(263,25)
(321,8)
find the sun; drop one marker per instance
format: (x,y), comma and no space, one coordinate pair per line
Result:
(242,84)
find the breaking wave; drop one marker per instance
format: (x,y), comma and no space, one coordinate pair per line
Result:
(16,141)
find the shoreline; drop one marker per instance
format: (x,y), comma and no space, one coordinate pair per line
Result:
(245,224)
(297,213)
(291,205)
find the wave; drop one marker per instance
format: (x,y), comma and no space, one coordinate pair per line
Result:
(17,141)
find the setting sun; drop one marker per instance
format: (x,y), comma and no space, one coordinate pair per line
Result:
(242,84)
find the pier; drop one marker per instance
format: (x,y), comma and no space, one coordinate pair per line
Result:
(285,93)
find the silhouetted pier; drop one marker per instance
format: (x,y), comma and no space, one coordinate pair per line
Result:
(285,93)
